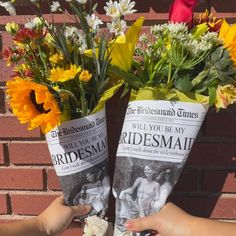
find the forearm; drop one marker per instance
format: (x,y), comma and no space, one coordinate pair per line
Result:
(207,227)
(23,228)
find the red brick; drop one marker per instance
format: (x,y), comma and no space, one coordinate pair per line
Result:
(21,178)
(6,39)
(6,72)
(3,204)
(219,181)
(29,153)
(223,207)
(1,153)
(220,125)
(30,204)
(213,154)
(10,127)
(188,181)
(52,180)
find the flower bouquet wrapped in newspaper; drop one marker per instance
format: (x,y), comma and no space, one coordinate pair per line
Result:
(61,83)
(181,71)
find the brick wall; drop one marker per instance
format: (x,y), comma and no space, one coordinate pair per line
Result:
(207,186)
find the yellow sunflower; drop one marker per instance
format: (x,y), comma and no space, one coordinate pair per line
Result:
(33,103)
(228,35)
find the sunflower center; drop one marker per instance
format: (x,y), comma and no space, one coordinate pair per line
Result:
(39,107)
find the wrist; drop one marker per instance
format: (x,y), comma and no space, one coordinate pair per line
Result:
(40,225)
(196,227)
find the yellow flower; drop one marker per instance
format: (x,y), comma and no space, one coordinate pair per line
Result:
(12,28)
(33,103)
(122,53)
(225,95)
(61,75)
(85,76)
(228,35)
(56,58)
(122,48)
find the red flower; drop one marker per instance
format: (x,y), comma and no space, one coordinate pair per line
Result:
(182,11)
(26,35)
(12,54)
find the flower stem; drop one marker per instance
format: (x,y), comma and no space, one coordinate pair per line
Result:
(72,96)
(83,100)
(169,75)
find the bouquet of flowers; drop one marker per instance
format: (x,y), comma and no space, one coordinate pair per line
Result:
(61,83)
(182,68)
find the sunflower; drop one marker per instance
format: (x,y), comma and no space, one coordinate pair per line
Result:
(33,103)
(228,35)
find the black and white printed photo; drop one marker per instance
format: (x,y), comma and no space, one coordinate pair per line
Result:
(142,188)
(90,187)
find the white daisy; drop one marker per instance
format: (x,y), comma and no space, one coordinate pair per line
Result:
(93,21)
(69,31)
(9,7)
(55,6)
(126,7)
(112,9)
(117,26)
(35,23)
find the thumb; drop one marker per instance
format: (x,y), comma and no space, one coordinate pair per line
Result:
(81,210)
(141,224)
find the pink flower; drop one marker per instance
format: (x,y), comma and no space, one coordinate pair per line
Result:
(182,11)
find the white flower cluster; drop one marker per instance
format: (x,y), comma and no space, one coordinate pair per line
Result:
(55,6)
(116,10)
(201,44)
(77,36)
(177,31)
(150,44)
(34,23)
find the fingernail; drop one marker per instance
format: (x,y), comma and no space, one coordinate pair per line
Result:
(129,225)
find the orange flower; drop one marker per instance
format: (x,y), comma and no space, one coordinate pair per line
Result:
(213,23)
(32,102)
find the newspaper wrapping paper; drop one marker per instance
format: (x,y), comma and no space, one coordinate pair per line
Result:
(155,142)
(79,153)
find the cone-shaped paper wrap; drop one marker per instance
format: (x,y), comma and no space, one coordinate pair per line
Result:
(79,154)
(155,142)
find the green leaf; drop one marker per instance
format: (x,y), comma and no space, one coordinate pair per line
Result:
(212,95)
(132,80)
(183,84)
(217,54)
(198,79)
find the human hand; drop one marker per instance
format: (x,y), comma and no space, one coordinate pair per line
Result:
(169,221)
(57,217)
